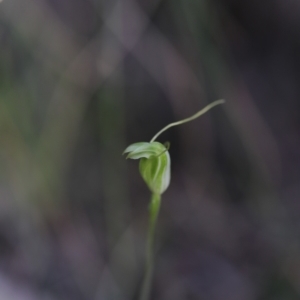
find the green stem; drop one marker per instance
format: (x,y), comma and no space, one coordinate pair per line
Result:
(153,210)
(193,117)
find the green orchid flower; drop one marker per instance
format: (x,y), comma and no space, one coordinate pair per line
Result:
(155,164)
(155,169)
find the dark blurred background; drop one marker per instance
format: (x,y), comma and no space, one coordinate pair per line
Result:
(82,79)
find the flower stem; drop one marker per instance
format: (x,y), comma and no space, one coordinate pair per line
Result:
(193,117)
(154,211)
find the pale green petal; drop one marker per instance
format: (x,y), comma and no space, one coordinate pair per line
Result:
(143,149)
(135,146)
(156,172)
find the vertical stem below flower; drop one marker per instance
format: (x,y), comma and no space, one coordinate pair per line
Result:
(153,211)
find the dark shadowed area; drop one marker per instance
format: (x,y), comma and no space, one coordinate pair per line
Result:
(82,79)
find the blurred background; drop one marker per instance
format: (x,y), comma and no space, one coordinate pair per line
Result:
(82,79)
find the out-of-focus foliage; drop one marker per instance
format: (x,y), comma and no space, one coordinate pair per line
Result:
(82,79)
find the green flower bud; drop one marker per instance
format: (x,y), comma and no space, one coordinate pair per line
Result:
(155,164)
